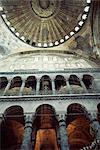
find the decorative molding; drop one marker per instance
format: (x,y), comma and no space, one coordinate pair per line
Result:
(51,97)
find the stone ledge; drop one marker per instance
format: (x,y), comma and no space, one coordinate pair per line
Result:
(50,97)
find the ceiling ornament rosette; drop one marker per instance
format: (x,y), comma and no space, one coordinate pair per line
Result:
(45,23)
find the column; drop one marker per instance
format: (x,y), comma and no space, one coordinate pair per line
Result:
(95,125)
(96,85)
(58,136)
(22,87)
(27,138)
(93,87)
(63,132)
(7,87)
(37,86)
(83,85)
(53,86)
(68,86)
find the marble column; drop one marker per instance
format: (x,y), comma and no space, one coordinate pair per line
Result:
(83,85)
(58,136)
(63,132)
(7,87)
(68,86)
(53,86)
(22,87)
(37,86)
(27,139)
(96,85)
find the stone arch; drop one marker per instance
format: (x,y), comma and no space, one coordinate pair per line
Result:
(3,84)
(30,85)
(45,85)
(59,82)
(46,122)
(75,84)
(74,80)
(48,110)
(74,110)
(78,127)
(16,83)
(12,128)
(31,82)
(87,79)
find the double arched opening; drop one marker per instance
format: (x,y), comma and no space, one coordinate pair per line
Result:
(20,87)
(72,85)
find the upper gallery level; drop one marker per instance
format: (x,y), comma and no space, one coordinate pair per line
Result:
(71,81)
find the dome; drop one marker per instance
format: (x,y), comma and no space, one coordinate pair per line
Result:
(45,23)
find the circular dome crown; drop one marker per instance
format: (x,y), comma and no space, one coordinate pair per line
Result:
(44,23)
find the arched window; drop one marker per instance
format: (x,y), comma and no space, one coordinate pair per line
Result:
(78,127)
(16,82)
(75,85)
(45,85)
(30,86)
(12,128)
(15,86)
(3,84)
(46,124)
(74,80)
(87,79)
(59,82)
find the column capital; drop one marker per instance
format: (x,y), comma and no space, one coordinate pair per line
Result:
(29,117)
(67,77)
(24,79)
(80,77)
(38,78)
(52,78)
(61,117)
(9,79)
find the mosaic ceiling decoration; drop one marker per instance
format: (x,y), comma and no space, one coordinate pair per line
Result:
(44,23)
